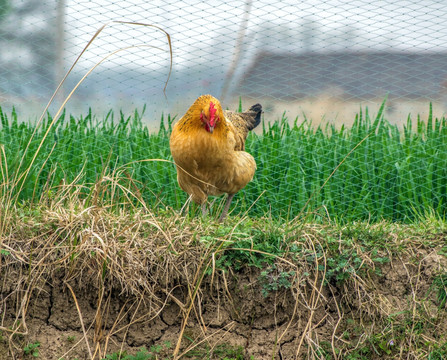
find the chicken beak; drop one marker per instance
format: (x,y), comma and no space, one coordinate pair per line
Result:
(212,124)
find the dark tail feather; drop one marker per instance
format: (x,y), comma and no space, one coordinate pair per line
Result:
(255,111)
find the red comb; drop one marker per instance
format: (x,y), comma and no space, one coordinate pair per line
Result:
(212,113)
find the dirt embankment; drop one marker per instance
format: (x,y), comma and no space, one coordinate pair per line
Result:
(234,310)
(88,284)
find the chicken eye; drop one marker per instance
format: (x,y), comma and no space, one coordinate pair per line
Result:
(203,117)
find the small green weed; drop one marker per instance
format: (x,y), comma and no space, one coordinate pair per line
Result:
(142,354)
(71,338)
(157,349)
(439,353)
(223,351)
(252,246)
(32,349)
(273,279)
(440,282)
(347,251)
(325,351)
(116,356)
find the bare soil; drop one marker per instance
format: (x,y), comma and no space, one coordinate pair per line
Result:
(230,310)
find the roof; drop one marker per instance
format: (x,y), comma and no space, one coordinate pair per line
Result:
(354,74)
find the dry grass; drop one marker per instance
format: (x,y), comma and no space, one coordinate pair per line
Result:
(343,277)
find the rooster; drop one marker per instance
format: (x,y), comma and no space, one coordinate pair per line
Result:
(208,145)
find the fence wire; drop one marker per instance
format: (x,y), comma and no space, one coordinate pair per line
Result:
(321,57)
(319,60)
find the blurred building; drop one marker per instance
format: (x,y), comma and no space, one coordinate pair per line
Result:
(348,75)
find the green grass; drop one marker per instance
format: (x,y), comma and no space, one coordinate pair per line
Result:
(394,174)
(32,349)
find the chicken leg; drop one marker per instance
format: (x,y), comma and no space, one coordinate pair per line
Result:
(204,210)
(226,208)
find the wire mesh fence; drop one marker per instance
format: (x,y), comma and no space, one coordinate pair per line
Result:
(318,57)
(316,60)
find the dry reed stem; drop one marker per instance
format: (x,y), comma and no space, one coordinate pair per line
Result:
(80,319)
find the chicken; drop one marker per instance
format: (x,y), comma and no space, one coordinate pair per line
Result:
(208,145)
